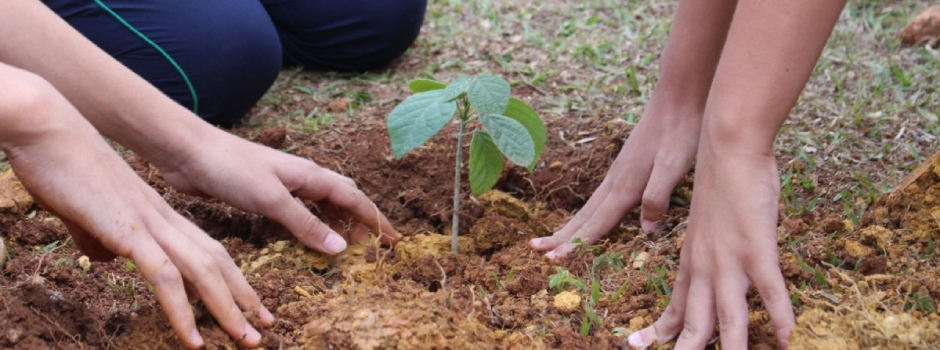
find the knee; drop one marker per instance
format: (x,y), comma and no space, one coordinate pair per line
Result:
(234,65)
(371,37)
(399,23)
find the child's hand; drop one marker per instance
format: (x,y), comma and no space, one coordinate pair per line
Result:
(64,163)
(730,245)
(265,181)
(654,158)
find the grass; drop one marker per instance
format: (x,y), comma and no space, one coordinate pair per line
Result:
(867,116)
(869,108)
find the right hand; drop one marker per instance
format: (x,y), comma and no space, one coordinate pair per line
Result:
(64,163)
(655,157)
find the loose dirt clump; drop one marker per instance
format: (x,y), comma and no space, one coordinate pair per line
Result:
(13,196)
(861,325)
(394,320)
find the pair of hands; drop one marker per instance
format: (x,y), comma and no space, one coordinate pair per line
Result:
(730,242)
(110,211)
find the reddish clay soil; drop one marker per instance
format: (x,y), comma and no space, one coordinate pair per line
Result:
(862,285)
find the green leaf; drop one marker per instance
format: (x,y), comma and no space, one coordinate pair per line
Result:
(488,94)
(417,119)
(457,87)
(511,137)
(423,85)
(526,116)
(595,290)
(486,162)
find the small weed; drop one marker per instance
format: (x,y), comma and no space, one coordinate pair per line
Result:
(562,279)
(620,291)
(920,302)
(614,260)
(590,319)
(64,261)
(595,290)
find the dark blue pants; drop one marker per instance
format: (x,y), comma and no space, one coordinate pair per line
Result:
(230,51)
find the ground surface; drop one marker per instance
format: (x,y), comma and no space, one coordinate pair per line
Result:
(861,262)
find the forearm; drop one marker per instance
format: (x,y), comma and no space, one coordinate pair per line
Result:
(120,104)
(769,56)
(689,60)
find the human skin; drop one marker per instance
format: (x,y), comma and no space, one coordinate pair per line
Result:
(47,60)
(768,55)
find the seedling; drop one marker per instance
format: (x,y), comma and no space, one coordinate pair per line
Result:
(561,279)
(510,128)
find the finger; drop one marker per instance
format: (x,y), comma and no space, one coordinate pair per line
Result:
(655,200)
(699,322)
(599,224)
(341,228)
(565,234)
(670,322)
(345,179)
(308,229)
(319,185)
(245,296)
(156,267)
(202,271)
(358,234)
(769,281)
(732,308)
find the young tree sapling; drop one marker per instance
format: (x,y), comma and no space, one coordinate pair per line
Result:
(510,128)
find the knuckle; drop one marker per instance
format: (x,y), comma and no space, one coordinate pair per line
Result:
(652,200)
(672,313)
(690,331)
(727,320)
(773,298)
(217,250)
(204,266)
(167,275)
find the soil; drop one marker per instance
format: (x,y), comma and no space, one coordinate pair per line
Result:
(865,285)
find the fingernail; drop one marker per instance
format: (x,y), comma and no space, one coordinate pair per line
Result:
(551,255)
(636,340)
(648,226)
(196,338)
(535,242)
(334,244)
(251,335)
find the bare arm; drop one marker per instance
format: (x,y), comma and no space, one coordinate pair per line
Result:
(120,104)
(731,240)
(192,155)
(660,149)
(65,164)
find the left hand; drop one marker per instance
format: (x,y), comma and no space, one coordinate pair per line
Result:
(731,244)
(265,181)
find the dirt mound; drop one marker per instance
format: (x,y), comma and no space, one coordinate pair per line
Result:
(903,224)
(394,320)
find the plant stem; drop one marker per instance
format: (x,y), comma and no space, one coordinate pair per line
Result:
(454,228)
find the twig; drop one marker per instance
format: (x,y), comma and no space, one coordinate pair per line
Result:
(59,327)
(444,297)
